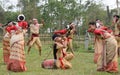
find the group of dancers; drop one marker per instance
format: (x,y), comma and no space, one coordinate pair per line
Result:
(107,44)
(14,45)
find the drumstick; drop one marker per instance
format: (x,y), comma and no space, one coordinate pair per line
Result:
(48,54)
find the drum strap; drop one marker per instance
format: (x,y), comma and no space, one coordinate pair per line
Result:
(48,54)
(64,54)
(61,62)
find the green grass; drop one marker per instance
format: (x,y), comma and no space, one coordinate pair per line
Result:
(82,64)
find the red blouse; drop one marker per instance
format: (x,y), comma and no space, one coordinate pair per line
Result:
(107,29)
(99,31)
(63,31)
(9,28)
(23,24)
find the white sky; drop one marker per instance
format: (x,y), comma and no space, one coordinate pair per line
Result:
(110,3)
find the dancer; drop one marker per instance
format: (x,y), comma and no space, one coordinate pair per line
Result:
(6,42)
(109,58)
(69,35)
(34,28)
(17,54)
(22,23)
(116,30)
(61,59)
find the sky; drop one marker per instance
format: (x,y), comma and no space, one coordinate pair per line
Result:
(110,3)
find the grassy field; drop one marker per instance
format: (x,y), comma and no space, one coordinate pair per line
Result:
(82,64)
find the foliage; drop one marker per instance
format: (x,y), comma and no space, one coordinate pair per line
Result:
(94,11)
(29,8)
(11,16)
(2,15)
(58,13)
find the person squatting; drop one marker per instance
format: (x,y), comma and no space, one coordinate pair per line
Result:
(62,58)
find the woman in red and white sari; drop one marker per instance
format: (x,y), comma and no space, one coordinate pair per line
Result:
(6,43)
(6,47)
(109,58)
(17,54)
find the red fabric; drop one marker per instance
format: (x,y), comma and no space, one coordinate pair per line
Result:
(60,31)
(68,39)
(107,29)
(101,31)
(6,58)
(23,24)
(13,27)
(33,35)
(98,31)
(103,27)
(64,54)
(96,56)
(61,62)
(9,28)
(16,66)
(112,67)
(48,63)
(6,53)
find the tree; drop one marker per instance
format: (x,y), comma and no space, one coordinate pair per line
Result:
(59,12)
(11,16)
(117,3)
(29,8)
(2,15)
(93,11)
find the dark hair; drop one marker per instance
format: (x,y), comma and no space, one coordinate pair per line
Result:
(55,35)
(6,23)
(9,22)
(14,23)
(92,23)
(71,27)
(70,23)
(98,19)
(116,16)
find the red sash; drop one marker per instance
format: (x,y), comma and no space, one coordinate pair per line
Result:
(33,35)
(68,39)
(61,62)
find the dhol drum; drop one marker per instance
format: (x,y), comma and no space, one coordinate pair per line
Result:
(49,64)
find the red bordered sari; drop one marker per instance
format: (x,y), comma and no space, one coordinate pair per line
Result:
(17,54)
(6,47)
